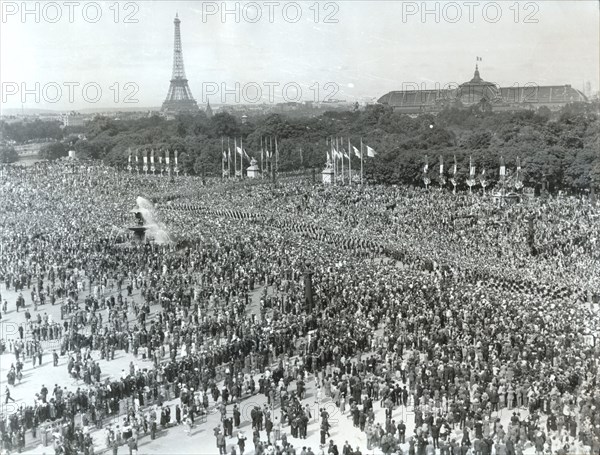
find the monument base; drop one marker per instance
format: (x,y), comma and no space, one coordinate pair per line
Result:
(327,176)
(139,233)
(253,172)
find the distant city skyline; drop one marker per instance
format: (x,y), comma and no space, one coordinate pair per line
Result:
(375,47)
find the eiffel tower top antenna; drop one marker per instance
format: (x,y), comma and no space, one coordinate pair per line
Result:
(178,68)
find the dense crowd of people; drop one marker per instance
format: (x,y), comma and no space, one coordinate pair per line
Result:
(448,311)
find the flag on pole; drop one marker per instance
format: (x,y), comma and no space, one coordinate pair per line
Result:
(152,157)
(229,159)
(175,157)
(426,167)
(356,152)
(349,162)
(471,167)
(167,158)
(339,142)
(129,160)
(441,164)
(502,167)
(145,157)
(370,152)
(235,155)
(455,166)
(518,164)
(361,161)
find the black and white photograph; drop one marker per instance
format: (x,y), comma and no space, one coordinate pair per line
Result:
(313,227)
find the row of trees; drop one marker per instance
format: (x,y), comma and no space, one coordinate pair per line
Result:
(37,130)
(561,147)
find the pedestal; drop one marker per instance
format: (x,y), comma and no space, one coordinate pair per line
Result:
(253,171)
(139,233)
(327,176)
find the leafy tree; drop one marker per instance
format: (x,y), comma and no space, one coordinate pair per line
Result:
(54,150)
(8,154)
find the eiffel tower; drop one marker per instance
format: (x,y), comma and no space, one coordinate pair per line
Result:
(179,99)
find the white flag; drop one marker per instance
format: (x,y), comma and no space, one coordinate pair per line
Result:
(370,152)
(356,151)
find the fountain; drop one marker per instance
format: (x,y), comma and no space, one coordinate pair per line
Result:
(148,226)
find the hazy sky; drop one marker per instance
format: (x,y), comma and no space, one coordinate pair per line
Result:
(364,48)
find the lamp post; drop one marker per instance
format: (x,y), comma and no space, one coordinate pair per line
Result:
(470,183)
(518,185)
(484,183)
(426,181)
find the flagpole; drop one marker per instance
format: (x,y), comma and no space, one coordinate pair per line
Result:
(241,157)
(271,168)
(326,152)
(228,159)
(235,156)
(349,162)
(454,176)
(342,146)
(337,155)
(222,160)
(361,161)
(276,156)
(335,159)
(332,157)
(471,174)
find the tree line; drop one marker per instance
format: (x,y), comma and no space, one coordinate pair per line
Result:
(560,147)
